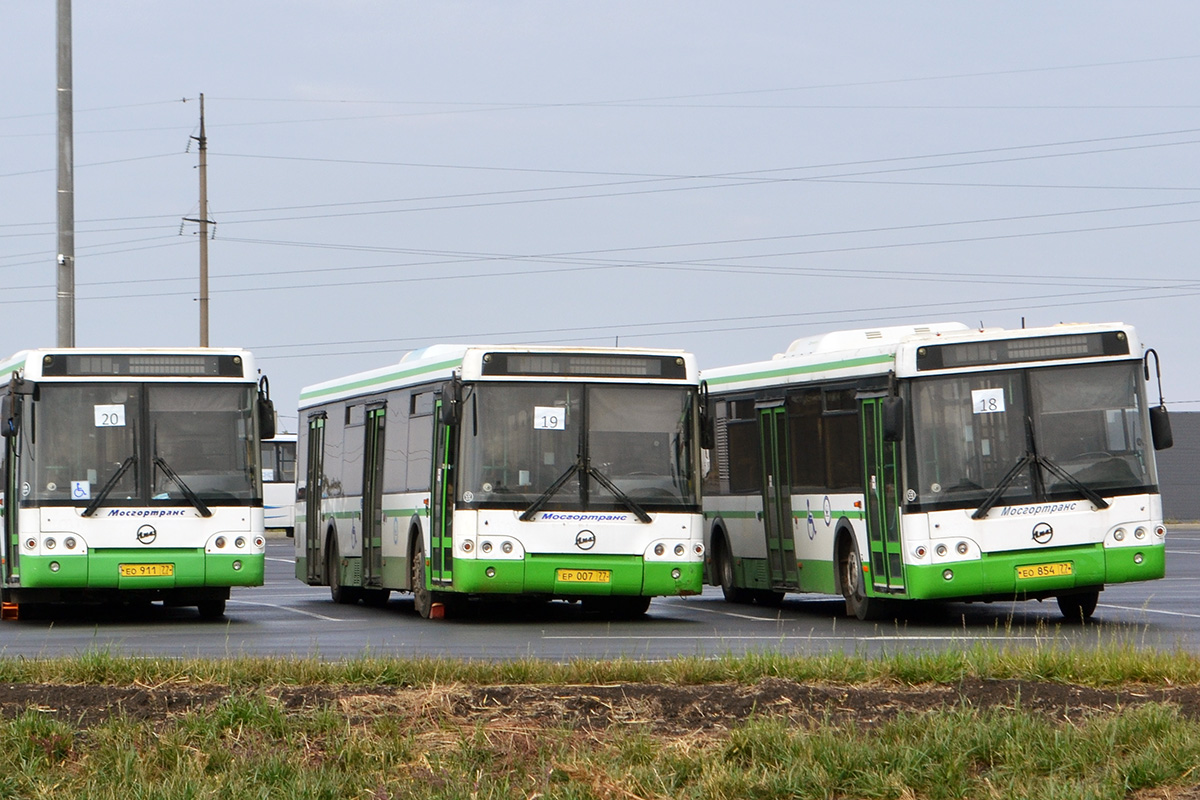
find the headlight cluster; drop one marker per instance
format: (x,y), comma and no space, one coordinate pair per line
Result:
(679,549)
(488,547)
(51,543)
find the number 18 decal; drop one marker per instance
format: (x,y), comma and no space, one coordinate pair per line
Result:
(987,401)
(549,418)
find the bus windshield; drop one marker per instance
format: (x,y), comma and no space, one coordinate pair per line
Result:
(1027,431)
(142,444)
(519,440)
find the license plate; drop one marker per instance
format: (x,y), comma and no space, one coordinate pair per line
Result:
(146,570)
(1045,570)
(583,575)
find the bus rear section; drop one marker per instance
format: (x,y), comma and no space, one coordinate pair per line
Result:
(507,472)
(132,477)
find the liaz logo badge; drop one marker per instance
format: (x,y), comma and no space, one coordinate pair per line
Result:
(1042,532)
(585,540)
(146,534)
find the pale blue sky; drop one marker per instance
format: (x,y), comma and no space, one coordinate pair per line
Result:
(719,177)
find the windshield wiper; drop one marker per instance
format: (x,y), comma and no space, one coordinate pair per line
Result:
(1049,466)
(994,497)
(620,495)
(1088,492)
(551,490)
(109,485)
(204,510)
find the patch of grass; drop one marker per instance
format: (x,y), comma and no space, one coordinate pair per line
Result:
(1114,663)
(251,748)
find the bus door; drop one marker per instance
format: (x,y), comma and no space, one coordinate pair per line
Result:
(372,502)
(777,495)
(315,489)
(882,504)
(441,502)
(9,547)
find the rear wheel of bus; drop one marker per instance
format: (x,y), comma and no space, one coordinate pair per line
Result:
(1078,607)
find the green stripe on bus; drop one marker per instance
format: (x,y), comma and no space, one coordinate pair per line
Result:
(381,379)
(803,369)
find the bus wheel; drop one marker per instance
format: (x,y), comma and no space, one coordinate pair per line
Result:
(733,593)
(1078,607)
(211,608)
(854,590)
(345,595)
(422,597)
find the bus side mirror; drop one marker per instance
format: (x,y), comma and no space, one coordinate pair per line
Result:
(892,409)
(451,399)
(266,409)
(708,429)
(266,417)
(8,422)
(1160,428)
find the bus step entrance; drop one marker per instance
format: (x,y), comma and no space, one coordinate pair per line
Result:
(9,611)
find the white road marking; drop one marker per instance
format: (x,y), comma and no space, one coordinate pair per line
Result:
(286,608)
(1150,610)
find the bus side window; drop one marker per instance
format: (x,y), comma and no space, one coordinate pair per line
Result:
(745,450)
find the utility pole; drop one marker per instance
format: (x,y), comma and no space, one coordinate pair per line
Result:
(66,183)
(203,222)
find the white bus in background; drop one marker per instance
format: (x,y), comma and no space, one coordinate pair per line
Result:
(568,473)
(938,462)
(279,482)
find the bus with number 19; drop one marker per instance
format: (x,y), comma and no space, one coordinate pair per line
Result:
(504,471)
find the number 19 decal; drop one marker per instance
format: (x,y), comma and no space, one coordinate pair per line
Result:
(549,418)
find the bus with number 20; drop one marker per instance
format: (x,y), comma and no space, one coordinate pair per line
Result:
(132,476)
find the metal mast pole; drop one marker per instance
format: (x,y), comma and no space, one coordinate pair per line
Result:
(66,183)
(203,229)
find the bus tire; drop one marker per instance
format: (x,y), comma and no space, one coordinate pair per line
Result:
(422,596)
(854,590)
(726,575)
(1078,607)
(343,595)
(211,608)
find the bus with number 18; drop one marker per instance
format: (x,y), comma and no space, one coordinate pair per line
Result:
(937,462)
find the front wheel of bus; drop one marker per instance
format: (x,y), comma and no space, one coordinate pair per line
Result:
(1078,607)
(725,573)
(211,608)
(854,589)
(422,597)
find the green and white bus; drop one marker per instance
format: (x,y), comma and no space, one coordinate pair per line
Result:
(937,462)
(533,472)
(132,476)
